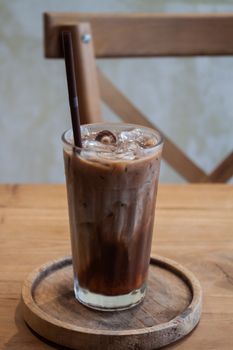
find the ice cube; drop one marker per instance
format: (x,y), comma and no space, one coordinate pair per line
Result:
(128,150)
(149,142)
(86,133)
(96,145)
(93,149)
(131,135)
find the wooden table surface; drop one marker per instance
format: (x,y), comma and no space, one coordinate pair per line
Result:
(194,225)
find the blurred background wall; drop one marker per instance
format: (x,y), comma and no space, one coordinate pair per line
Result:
(190,99)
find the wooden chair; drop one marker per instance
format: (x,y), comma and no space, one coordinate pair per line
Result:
(138,35)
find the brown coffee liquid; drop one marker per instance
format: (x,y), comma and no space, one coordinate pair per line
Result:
(111,208)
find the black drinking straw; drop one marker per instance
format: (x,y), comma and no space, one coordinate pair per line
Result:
(71,83)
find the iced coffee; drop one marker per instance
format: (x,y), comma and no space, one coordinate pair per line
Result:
(111,188)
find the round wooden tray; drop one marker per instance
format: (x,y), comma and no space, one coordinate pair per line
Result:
(170,310)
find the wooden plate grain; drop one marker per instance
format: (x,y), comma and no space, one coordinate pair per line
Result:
(170,310)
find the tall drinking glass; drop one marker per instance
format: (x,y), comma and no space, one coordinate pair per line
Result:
(111,188)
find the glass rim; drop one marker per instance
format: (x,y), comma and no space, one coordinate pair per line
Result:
(159,136)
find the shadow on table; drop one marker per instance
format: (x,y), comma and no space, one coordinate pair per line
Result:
(26,338)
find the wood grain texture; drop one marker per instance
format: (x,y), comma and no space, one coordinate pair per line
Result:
(194,226)
(170,310)
(147,34)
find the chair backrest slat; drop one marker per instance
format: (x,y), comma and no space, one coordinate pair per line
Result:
(147,35)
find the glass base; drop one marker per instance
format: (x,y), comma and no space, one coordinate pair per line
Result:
(109,303)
